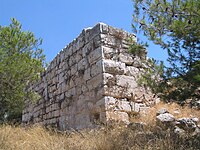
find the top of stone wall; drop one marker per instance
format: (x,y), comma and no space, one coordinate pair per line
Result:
(86,36)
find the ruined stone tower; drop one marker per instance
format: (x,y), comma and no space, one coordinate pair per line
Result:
(93,79)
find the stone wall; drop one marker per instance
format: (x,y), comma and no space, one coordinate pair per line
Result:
(92,80)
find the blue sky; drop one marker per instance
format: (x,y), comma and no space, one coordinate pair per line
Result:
(58,22)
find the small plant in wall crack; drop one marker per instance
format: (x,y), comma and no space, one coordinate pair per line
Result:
(138,49)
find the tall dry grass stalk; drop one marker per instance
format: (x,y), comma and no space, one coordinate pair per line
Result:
(110,137)
(107,138)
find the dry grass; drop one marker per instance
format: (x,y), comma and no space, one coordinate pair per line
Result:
(112,137)
(149,117)
(109,138)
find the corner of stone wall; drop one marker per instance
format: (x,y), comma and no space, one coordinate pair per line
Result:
(92,80)
(121,70)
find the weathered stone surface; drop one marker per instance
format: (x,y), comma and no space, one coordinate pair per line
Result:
(162,111)
(92,80)
(187,124)
(166,117)
(117,116)
(165,120)
(114,67)
(126,58)
(95,55)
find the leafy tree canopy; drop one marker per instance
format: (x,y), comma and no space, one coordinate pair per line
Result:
(21,61)
(174,25)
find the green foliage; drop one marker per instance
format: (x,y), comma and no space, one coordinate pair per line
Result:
(138,49)
(21,61)
(152,75)
(174,25)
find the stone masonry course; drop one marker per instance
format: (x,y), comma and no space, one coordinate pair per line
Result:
(92,80)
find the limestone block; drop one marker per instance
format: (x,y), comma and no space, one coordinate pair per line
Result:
(144,109)
(52,121)
(118,33)
(81,101)
(132,71)
(63,87)
(82,64)
(24,117)
(82,108)
(68,51)
(62,123)
(125,44)
(96,68)
(36,114)
(117,91)
(72,60)
(99,92)
(48,109)
(137,62)
(65,65)
(90,106)
(80,42)
(111,41)
(78,89)
(79,56)
(91,33)
(71,83)
(70,93)
(103,117)
(55,79)
(95,82)
(108,53)
(126,81)
(61,77)
(112,91)
(87,49)
(62,56)
(117,116)
(90,96)
(52,88)
(97,41)
(100,105)
(63,105)
(126,58)
(110,103)
(58,59)
(55,106)
(64,111)
(87,75)
(74,69)
(44,116)
(135,106)
(82,121)
(95,55)
(62,97)
(104,28)
(114,67)
(56,113)
(84,89)
(58,71)
(124,106)
(107,78)
(53,64)
(50,115)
